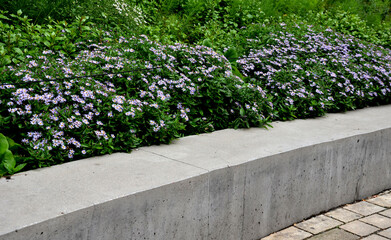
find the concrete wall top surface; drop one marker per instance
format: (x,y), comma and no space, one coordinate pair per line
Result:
(43,194)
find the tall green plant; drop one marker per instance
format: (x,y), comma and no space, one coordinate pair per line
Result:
(40,10)
(374,12)
(7,160)
(19,37)
(115,12)
(276,8)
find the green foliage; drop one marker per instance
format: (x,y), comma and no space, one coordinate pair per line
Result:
(171,30)
(192,21)
(222,21)
(7,160)
(40,10)
(19,37)
(112,13)
(374,12)
(352,24)
(275,8)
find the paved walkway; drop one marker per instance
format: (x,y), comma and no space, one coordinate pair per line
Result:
(368,220)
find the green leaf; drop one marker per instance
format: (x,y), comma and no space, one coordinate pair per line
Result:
(4,17)
(3,144)
(6,60)
(46,43)
(9,161)
(19,12)
(231,54)
(19,167)
(86,28)
(242,112)
(18,51)
(11,142)
(207,43)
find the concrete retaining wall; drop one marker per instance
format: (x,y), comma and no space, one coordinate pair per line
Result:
(230,184)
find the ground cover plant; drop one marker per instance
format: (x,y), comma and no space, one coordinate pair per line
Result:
(178,90)
(182,90)
(309,72)
(79,86)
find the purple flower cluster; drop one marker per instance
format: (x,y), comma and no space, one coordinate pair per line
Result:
(308,72)
(158,94)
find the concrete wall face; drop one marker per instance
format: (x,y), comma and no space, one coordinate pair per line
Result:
(206,187)
(226,203)
(376,164)
(73,226)
(175,211)
(292,186)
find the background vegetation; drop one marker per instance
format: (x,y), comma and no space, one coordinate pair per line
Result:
(33,25)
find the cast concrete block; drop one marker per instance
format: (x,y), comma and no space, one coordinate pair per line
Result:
(118,195)
(230,184)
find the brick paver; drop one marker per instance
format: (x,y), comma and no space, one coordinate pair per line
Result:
(366,220)
(343,215)
(359,228)
(318,224)
(290,233)
(386,233)
(377,221)
(384,200)
(335,234)
(386,213)
(374,237)
(364,208)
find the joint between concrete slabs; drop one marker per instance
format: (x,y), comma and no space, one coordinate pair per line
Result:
(208,171)
(244,203)
(172,159)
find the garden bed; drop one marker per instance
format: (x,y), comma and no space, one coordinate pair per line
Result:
(137,92)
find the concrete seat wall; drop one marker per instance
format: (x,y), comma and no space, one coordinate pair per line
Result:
(230,184)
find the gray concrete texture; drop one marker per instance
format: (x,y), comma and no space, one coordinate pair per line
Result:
(230,184)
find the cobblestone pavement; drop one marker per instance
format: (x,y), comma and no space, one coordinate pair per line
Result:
(368,220)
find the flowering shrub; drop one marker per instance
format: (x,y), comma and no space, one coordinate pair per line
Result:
(176,90)
(111,14)
(135,13)
(309,72)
